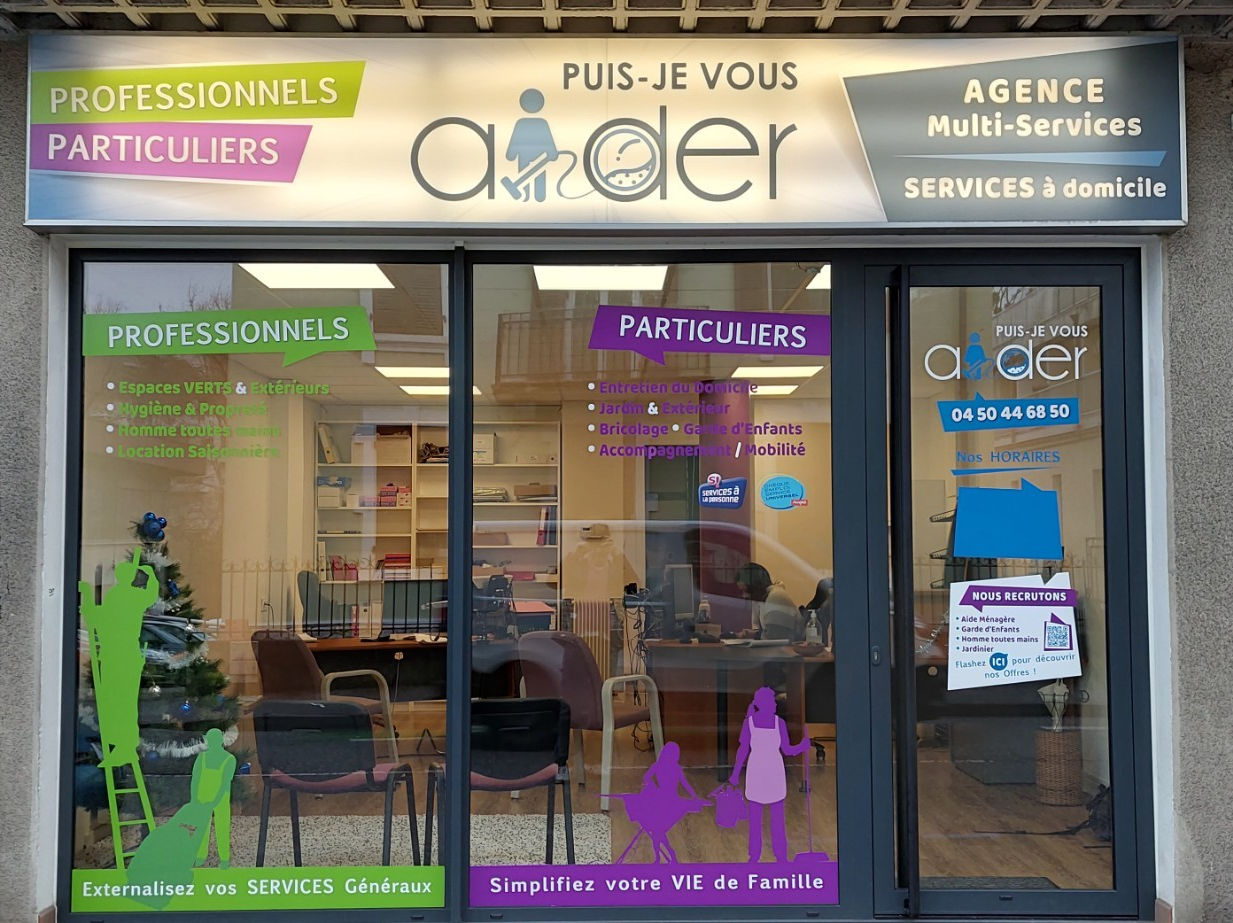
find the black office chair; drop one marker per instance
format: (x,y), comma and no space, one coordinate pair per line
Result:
(516,744)
(324,748)
(492,608)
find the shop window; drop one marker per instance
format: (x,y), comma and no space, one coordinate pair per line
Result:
(653,536)
(262,598)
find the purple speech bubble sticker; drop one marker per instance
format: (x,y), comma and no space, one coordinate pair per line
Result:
(651,332)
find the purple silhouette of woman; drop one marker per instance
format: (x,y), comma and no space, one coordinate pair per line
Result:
(764,744)
(659,806)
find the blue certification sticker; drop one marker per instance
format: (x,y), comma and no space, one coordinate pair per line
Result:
(724,493)
(782,492)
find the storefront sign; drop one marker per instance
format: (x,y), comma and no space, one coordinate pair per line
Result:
(672,132)
(1012,630)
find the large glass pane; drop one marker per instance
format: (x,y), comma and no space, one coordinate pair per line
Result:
(653,543)
(1011,665)
(262,585)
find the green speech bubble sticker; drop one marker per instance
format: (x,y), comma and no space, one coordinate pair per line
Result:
(297,333)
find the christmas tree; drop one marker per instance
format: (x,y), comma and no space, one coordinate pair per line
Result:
(184,693)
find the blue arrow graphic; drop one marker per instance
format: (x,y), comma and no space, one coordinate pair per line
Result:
(994,522)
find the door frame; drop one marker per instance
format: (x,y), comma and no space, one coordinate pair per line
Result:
(887,287)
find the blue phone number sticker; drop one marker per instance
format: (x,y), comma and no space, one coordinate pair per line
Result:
(980,414)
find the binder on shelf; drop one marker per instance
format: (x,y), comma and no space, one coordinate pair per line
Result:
(328,449)
(541,534)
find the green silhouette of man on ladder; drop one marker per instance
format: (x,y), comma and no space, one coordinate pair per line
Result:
(116,655)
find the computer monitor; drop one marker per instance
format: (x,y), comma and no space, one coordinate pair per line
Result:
(679,591)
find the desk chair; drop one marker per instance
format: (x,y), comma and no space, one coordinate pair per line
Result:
(289,671)
(559,664)
(324,615)
(516,744)
(324,748)
(491,610)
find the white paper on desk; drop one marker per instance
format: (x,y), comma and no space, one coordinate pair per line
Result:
(736,642)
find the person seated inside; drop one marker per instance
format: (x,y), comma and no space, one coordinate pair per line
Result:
(773,615)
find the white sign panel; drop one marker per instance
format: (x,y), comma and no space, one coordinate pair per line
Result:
(1012,630)
(615,133)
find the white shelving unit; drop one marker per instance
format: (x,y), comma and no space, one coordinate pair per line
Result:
(524,454)
(524,534)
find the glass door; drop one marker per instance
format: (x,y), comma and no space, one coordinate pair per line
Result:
(1011,606)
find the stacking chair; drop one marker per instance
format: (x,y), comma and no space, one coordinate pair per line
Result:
(516,744)
(324,748)
(559,664)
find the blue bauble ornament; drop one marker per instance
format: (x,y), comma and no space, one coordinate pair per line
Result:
(152,527)
(173,589)
(186,707)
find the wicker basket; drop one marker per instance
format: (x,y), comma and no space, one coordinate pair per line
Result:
(1059,766)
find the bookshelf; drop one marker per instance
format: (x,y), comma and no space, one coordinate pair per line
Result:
(379,498)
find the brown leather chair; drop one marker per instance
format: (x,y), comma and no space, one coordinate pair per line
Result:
(559,665)
(290,672)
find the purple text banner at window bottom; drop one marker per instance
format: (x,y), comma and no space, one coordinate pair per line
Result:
(811,879)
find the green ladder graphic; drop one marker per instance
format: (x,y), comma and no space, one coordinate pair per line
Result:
(133,767)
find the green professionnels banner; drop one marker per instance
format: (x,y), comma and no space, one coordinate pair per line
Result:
(352,888)
(297,333)
(224,92)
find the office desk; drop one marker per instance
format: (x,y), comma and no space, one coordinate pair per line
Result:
(703,680)
(419,674)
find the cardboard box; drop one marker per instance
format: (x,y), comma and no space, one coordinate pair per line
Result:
(484,449)
(329,497)
(395,449)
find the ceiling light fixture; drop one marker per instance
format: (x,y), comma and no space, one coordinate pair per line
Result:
(777,371)
(775,390)
(821,279)
(600,278)
(434,390)
(318,275)
(412,371)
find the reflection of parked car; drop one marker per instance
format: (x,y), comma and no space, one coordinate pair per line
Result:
(163,640)
(714,548)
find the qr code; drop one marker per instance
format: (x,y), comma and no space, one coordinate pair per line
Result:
(1057,637)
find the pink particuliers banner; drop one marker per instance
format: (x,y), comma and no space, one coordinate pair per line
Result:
(204,151)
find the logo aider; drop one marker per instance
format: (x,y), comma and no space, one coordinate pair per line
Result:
(623,159)
(1013,362)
